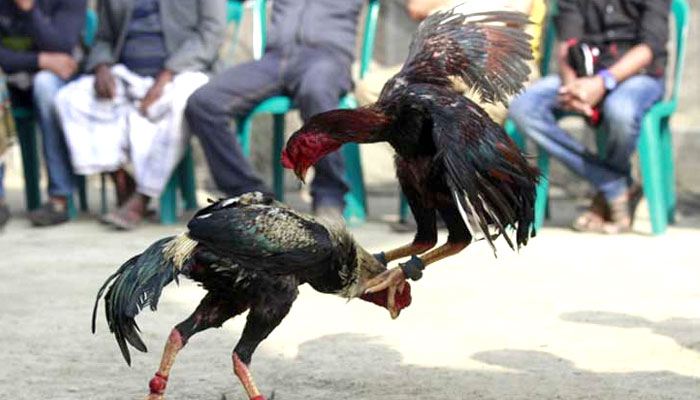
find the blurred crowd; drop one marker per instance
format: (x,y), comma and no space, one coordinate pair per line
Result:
(127,104)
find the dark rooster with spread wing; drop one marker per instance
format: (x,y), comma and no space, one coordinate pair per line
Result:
(451,158)
(249,253)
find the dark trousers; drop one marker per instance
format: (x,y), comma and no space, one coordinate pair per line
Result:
(314,78)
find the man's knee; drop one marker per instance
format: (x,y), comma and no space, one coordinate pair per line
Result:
(621,116)
(197,105)
(45,86)
(522,109)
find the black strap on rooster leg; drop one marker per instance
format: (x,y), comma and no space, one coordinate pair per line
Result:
(413,268)
(381,257)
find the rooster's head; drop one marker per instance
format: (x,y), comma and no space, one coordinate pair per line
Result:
(325,132)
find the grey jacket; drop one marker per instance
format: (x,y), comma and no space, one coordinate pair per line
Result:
(193,31)
(318,23)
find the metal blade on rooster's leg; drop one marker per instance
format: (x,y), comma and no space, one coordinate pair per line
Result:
(250,253)
(451,157)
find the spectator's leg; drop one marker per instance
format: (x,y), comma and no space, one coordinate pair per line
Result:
(533,114)
(209,113)
(318,80)
(623,110)
(46,86)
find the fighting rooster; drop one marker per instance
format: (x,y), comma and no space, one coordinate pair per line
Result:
(451,158)
(249,253)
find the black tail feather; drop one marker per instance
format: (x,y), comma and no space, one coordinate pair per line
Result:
(137,284)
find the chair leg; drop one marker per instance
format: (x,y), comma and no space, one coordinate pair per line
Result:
(356,198)
(542,189)
(82,192)
(652,174)
(103,195)
(403,208)
(185,173)
(244,127)
(30,160)
(668,171)
(514,134)
(277,146)
(168,202)
(72,211)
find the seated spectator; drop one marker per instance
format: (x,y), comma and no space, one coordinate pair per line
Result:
(308,57)
(7,133)
(38,40)
(368,89)
(628,78)
(148,57)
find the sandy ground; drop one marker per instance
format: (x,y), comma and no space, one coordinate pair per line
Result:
(571,317)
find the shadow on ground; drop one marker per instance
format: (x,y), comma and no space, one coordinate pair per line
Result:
(685,331)
(363,367)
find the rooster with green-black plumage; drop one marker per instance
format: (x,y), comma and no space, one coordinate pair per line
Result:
(451,158)
(249,253)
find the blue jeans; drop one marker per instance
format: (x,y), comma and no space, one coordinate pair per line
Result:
(534,113)
(44,89)
(46,85)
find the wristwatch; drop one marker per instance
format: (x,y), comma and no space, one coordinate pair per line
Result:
(609,80)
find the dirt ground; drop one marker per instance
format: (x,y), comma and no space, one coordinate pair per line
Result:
(571,317)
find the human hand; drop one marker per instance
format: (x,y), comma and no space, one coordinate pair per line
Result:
(105,86)
(582,94)
(155,91)
(25,5)
(60,64)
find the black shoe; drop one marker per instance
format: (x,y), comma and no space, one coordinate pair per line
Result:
(4,214)
(48,214)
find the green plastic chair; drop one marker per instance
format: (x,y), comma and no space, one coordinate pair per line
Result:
(356,199)
(183,177)
(26,132)
(655,146)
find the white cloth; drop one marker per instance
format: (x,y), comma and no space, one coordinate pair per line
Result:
(104,134)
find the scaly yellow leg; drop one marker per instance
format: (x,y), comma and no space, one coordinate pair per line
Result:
(243,373)
(159,382)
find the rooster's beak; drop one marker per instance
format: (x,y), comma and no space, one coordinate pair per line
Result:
(300,172)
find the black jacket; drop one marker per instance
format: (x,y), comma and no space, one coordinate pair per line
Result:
(617,25)
(52,25)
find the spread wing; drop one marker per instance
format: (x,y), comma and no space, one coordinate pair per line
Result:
(263,237)
(488,51)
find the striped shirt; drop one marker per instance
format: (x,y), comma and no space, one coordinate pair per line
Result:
(144,50)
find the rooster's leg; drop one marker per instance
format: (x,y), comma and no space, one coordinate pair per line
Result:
(210,312)
(426,234)
(262,320)
(459,237)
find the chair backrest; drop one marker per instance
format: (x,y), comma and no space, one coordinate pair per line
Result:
(680,11)
(234,14)
(260,32)
(90,28)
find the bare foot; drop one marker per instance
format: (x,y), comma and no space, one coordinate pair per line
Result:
(129,215)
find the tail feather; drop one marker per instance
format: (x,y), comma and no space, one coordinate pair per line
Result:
(136,285)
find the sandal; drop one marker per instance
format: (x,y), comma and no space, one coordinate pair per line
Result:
(593,219)
(130,215)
